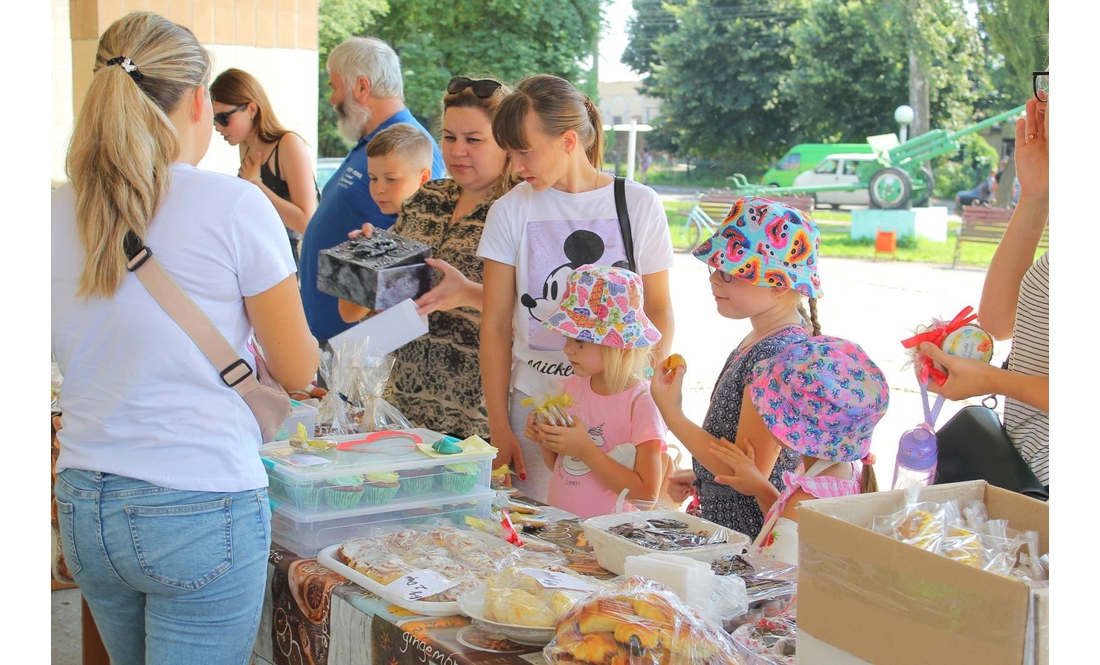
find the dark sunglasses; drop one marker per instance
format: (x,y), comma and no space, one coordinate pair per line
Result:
(726,277)
(482,87)
(1040,84)
(223,117)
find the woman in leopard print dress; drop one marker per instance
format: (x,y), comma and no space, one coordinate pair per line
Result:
(436,380)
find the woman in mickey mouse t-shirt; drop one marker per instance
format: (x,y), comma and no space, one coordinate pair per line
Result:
(561,217)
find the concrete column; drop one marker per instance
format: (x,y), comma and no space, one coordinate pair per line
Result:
(275,40)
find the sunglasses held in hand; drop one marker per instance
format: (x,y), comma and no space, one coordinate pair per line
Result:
(483,88)
(222,119)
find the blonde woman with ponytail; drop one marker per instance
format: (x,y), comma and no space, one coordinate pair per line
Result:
(561,216)
(161,495)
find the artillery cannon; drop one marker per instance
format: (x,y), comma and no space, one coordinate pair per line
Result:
(898,176)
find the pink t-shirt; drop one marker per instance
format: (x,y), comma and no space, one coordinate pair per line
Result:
(575,487)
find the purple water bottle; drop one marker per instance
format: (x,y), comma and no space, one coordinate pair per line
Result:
(916,460)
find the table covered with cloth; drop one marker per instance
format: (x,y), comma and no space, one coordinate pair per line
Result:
(314,616)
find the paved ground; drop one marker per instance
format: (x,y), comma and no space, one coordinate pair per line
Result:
(873,303)
(65,627)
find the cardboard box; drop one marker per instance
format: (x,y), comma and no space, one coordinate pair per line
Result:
(867,598)
(376,272)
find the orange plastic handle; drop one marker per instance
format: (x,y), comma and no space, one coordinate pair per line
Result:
(349,446)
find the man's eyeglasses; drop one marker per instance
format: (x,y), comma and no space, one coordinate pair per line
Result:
(222,118)
(726,277)
(1040,84)
(483,88)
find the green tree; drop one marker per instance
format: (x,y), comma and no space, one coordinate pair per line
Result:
(719,76)
(845,85)
(506,39)
(337,20)
(940,43)
(842,86)
(1019,31)
(652,20)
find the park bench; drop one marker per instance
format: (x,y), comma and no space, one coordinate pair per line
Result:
(716,205)
(986,225)
(710,210)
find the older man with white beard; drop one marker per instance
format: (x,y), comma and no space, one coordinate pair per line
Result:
(367,93)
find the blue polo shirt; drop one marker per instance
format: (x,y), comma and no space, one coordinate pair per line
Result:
(346,204)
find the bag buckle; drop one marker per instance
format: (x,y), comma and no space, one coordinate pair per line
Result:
(240,362)
(138,259)
(986,402)
(136,251)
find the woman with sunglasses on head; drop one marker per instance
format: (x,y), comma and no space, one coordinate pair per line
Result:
(563,216)
(273,157)
(436,382)
(1016,302)
(161,496)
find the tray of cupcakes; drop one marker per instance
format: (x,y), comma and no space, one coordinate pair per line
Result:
(325,491)
(362,474)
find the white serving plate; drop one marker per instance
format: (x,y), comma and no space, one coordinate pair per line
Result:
(327,557)
(472,604)
(611,550)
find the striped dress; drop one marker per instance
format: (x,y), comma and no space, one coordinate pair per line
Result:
(1028,427)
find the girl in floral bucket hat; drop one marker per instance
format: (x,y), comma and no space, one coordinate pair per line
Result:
(617,437)
(821,399)
(763,261)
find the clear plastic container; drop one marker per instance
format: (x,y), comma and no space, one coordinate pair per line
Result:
(916,460)
(360,481)
(299,413)
(308,535)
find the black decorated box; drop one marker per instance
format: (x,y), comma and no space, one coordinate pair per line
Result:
(376,272)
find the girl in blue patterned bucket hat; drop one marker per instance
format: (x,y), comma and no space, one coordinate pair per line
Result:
(763,261)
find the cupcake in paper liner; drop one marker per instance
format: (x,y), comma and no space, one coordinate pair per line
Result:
(381,487)
(422,515)
(303,495)
(344,492)
(418,481)
(458,516)
(460,478)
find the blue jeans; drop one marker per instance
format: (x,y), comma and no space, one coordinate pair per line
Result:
(170,576)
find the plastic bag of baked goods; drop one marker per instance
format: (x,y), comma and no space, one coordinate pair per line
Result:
(641,623)
(967,536)
(921,524)
(768,640)
(550,409)
(532,589)
(356,378)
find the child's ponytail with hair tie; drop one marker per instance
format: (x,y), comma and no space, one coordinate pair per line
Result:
(810,317)
(868,482)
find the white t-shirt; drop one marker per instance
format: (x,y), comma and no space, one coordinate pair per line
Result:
(546,235)
(139,399)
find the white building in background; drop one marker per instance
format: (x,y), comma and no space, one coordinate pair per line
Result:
(620,101)
(274,40)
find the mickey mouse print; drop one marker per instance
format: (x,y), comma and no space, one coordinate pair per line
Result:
(554,250)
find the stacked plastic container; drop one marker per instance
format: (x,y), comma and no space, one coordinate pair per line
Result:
(327,497)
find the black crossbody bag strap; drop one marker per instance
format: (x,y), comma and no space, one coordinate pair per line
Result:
(624,222)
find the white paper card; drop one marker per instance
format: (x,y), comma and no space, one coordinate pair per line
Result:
(552,580)
(421,584)
(303,459)
(388,330)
